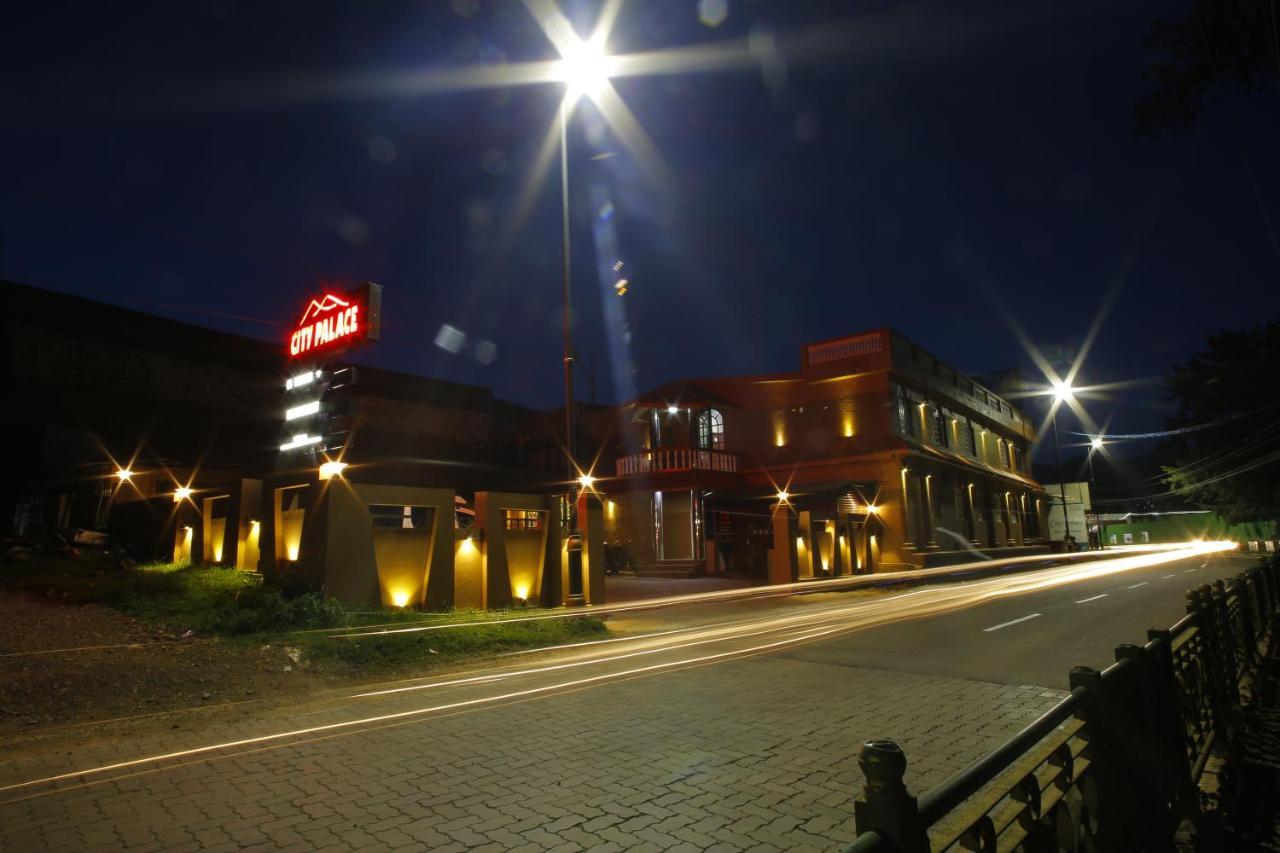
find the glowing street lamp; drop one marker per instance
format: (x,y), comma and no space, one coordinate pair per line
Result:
(586,481)
(181,494)
(1095,445)
(124,475)
(585,69)
(332,468)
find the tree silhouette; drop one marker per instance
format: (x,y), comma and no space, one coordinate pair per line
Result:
(1229,397)
(1219,44)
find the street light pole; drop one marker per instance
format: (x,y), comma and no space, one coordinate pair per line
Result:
(1062,483)
(570,449)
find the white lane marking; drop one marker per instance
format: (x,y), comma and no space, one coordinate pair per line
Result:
(1136,585)
(1007,624)
(1095,598)
(1188,571)
(1166,577)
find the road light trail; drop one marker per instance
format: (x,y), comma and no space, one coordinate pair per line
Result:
(804,587)
(764,634)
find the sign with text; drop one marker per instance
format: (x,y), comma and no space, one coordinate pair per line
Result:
(336,322)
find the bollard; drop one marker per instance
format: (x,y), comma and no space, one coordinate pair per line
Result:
(887,808)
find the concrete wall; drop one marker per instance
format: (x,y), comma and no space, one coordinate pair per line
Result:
(515,561)
(342,552)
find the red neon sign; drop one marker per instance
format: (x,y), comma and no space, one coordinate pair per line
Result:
(337,321)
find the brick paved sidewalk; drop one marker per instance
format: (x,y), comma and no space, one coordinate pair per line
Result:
(756,753)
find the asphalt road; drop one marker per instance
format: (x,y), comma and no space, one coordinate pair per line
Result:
(1032,638)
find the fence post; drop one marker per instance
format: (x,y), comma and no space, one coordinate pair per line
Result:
(1266,597)
(1247,595)
(887,808)
(1146,731)
(1218,666)
(1271,569)
(1227,629)
(1117,803)
(1268,571)
(1170,729)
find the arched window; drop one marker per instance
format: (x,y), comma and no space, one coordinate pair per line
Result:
(710,430)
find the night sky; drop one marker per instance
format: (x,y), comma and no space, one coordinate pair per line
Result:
(945,163)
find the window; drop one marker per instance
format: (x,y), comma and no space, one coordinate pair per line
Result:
(522,519)
(710,430)
(938,427)
(971,438)
(395,517)
(1017,458)
(906,413)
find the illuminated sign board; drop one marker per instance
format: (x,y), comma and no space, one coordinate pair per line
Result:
(336,322)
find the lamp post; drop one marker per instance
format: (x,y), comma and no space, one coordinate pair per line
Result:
(584,69)
(1062,392)
(1095,444)
(566,319)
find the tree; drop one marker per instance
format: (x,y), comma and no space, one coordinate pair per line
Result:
(1219,44)
(1228,451)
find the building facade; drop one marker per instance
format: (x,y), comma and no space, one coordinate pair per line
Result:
(875,454)
(93,389)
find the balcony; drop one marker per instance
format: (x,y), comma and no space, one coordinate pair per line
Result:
(678,459)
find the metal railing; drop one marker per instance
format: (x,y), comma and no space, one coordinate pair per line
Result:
(1114,766)
(677,459)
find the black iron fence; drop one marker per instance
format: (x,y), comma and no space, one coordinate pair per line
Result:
(1115,766)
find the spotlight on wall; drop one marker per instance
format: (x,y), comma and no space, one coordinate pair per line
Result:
(124,475)
(332,468)
(181,493)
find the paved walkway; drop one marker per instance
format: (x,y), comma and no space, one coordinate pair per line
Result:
(755,753)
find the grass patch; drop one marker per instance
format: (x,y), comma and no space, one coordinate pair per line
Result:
(217,600)
(204,599)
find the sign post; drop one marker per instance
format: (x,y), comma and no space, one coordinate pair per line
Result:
(315,389)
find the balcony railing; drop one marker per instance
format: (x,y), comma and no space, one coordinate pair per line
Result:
(678,459)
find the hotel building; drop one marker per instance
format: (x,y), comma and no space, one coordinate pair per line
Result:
(873,456)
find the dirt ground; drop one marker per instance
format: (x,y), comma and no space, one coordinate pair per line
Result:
(65,665)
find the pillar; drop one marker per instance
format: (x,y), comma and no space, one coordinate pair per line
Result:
(782,559)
